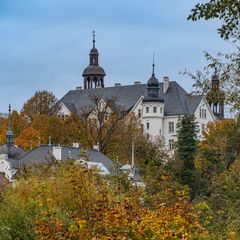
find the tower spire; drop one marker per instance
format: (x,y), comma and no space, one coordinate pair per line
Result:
(94,35)
(9,134)
(9,117)
(153,65)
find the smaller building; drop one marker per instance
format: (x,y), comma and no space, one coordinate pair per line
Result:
(42,154)
(9,152)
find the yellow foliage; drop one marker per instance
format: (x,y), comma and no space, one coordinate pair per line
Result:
(71,202)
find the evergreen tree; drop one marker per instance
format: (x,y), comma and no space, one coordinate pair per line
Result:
(186,146)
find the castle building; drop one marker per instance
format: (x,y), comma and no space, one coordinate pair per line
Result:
(158,104)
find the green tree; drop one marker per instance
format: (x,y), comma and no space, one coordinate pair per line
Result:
(228,11)
(186,146)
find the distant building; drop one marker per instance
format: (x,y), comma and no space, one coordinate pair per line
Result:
(157,104)
(9,148)
(13,158)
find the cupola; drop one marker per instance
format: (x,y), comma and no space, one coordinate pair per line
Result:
(93,74)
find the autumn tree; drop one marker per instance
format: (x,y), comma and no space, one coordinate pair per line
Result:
(224,200)
(28,138)
(100,121)
(40,103)
(218,150)
(68,201)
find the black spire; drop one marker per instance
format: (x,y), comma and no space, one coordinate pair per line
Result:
(153,66)
(9,134)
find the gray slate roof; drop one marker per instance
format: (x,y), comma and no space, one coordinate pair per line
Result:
(44,153)
(177,101)
(194,101)
(12,150)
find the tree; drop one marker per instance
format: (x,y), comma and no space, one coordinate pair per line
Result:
(40,103)
(227,65)
(28,138)
(68,201)
(100,121)
(186,146)
(217,152)
(225,201)
(228,11)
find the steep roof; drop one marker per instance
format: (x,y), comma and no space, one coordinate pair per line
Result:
(44,153)
(12,150)
(194,101)
(176,98)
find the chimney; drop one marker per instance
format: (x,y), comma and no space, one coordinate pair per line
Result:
(165,84)
(75,145)
(137,83)
(96,147)
(117,84)
(57,152)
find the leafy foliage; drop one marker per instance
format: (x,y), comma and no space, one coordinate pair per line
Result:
(40,103)
(70,202)
(228,11)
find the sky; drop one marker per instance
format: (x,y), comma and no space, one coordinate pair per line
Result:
(44,44)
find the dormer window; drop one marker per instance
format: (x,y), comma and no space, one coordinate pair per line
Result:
(203,113)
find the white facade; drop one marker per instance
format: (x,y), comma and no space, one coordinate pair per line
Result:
(156,124)
(6,167)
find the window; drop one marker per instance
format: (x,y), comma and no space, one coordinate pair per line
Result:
(171,127)
(154,109)
(170,144)
(139,113)
(148,125)
(215,108)
(160,109)
(203,113)
(160,132)
(147,109)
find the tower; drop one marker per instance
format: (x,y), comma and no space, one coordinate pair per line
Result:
(9,134)
(216,97)
(153,107)
(93,74)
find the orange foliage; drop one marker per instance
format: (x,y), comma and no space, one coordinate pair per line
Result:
(74,203)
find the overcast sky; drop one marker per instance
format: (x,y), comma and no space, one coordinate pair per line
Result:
(45,43)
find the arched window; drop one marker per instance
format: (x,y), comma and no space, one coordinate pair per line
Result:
(154,109)
(147,109)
